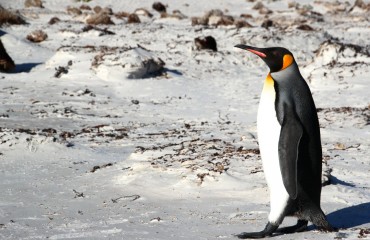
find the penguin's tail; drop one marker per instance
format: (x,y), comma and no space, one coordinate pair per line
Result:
(320,221)
(313,213)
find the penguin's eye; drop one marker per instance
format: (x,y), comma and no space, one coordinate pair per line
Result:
(275,53)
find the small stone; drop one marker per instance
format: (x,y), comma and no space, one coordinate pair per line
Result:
(267,23)
(121,15)
(221,20)
(178,14)
(360,4)
(265,10)
(206,43)
(85,7)
(240,23)
(159,7)
(33,3)
(305,27)
(339,146)
(97,9)
(292,4)
(133,18)
(175,14)
(107,10)
(246,15)
(99,18)
(258,6)
(53,20)
(157,219)
(37,36)
(199,21)
(213,12)
(143,12)
(73,11)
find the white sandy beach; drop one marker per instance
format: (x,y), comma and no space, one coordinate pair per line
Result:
(98,154)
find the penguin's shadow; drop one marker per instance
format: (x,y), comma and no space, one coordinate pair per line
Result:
(24,67)
(350,217)
(173,71)
(336,181)
(2,33)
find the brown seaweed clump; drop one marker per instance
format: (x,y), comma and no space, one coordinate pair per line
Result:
(33,3)
(216,17)
(8,17)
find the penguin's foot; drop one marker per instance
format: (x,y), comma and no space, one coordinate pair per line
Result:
(299,227)
(267,232)
(328,228)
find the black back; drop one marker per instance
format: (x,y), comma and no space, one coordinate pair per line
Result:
(294,101)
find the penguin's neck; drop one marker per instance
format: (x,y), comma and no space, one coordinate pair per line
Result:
(291,70)
(268,87)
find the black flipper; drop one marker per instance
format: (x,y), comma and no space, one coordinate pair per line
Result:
(268,231)
(290,136)
(299,227)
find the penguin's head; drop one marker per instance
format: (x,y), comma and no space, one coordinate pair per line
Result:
(277,58)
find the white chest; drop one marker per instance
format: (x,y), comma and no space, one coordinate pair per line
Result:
(268,126)
(268,129)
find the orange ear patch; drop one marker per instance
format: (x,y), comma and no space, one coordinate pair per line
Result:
(287,61)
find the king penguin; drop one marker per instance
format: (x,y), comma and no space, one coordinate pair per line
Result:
(290,146)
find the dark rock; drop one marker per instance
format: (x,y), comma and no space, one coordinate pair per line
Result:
(73,11)
(267,23)
(37,36)
(175,14)
(305,27)
(206,43)
(159,7)
(53,20)
(97,9)
(107,10)
(85,7)
(360,4)
(99,18)
(246,15)
(199,21)
(240,23)
(224,20)
(261,8)
(258,6)
(133,18)
(121,15)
